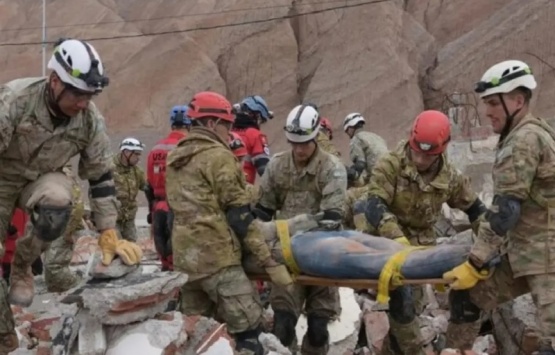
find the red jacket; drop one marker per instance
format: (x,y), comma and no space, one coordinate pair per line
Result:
(19,219)
(156,163)
(257,150)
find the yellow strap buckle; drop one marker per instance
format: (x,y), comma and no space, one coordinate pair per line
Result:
(285,240)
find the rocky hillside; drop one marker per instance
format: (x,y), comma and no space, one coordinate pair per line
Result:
(386,59)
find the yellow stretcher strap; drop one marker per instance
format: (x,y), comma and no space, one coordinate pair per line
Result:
(391,273)
(285,240)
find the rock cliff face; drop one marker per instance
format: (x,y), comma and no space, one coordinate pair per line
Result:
(385,59)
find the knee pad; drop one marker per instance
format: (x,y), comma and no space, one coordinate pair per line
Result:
(249,340)
(401,305)
(461,307)
(317,332)
(284,327)
(50,222)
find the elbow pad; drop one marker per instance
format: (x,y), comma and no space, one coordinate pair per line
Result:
(507,215)
(475,210)
(239,219)
(375,209)
(359,166)
(102,191)
(333,215)
(260,165)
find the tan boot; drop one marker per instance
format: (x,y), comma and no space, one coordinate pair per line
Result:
(8,342)
(22,286)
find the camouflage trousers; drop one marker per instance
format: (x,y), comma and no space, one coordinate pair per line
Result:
(127,229)
(53,189)
(314,300)
(57,257)
(502,287)
(228,296)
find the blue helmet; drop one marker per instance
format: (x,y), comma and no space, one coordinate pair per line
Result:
(257,104)
(178,116)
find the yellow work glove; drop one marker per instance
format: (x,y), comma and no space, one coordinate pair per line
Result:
(278,273)
(402,240)
(465,276)
(111,245)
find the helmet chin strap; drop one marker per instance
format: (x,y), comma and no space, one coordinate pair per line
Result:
(509,118)
(53,102)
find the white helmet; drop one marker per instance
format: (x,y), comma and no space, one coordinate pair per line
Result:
(504,77)
(78,64)
(132,144)
(352,119)
(302,125)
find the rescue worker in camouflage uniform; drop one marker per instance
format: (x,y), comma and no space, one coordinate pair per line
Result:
(44,122)
(213,225)
(405,194)
(304,179)
(325,136)
(57,258)
(519,228)
(129,179)
(365,149)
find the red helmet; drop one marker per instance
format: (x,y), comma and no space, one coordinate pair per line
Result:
(430,133)
(237,145)
(210,104)
(326,124)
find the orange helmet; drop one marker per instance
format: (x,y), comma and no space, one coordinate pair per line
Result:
(430,133)
(326,124)
(237,145)
(210,104)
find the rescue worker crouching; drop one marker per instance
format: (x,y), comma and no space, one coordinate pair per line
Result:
(213,225)
(33,151)
(129,179)
(250,114)
(404,199)
(160,215)
(304,179)
(513,250)
(365,149)
(325,137)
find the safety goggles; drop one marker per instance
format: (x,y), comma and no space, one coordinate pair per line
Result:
(482,86)
(92,78)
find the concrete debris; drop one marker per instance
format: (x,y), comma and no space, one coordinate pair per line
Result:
(113,271)
(128,299)
(92,337)
(64,333)
(272,344)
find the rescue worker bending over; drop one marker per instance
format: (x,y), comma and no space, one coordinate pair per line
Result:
(365,149)
(521,215)
(44,122)
(129,179)
(253,111)
(159,214)
(406,191)
(304,179)
(213,225)
(325,136)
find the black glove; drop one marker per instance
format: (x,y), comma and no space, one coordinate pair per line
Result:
(352,174)
(149,218)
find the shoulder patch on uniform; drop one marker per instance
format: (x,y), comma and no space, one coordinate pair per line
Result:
(266,150)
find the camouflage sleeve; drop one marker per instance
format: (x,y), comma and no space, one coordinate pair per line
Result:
(95,165)
(7,116)
(230,188)
(513,173)
(142,180)
(268,192)
(355,150)
(383,185)
(462,196)
(334,191)
(371,156)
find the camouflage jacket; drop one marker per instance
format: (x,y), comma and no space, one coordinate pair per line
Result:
(319,186)
(367,147)
(203,180)
(30,144)
(414,206)
(129,181)
(524,168)
(78,211)
(326,145)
